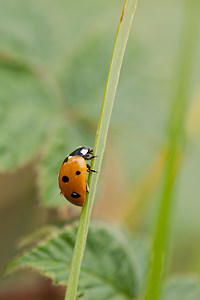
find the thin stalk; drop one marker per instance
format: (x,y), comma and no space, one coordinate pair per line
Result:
(175,147)
(100,142)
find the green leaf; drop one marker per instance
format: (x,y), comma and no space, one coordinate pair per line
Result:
(108,270)
(141,254)
(23,117)
(32,238)
(55,36)
(181,288)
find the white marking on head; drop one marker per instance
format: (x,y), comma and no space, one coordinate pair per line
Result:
(84,151)
(69,156)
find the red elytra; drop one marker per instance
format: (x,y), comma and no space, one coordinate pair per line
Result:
(72,180)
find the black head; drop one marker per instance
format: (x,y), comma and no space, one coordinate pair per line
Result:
(83,151)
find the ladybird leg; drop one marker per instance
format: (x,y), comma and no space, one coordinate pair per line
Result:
(93,156)
(87,187)
(89,169)
(88,156)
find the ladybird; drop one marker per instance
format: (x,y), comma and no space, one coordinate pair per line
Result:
(73,173)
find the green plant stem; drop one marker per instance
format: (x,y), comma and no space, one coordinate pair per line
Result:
(100,142)
(175,146)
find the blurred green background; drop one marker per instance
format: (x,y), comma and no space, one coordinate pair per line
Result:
(54,59)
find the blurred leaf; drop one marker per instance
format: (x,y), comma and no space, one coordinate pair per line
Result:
(38,235)
(108,270)
(47,33)
(24,118)
(181,288)
(141,254)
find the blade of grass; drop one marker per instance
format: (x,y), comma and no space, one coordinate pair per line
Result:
(100,141)
(186,56)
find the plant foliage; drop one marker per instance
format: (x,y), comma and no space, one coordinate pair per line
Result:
(109,269)
(109,251)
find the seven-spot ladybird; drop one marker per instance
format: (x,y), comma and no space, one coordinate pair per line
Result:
(73,173)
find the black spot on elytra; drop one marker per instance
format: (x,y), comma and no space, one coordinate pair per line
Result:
(78,172)
(75,195)
(65,179)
